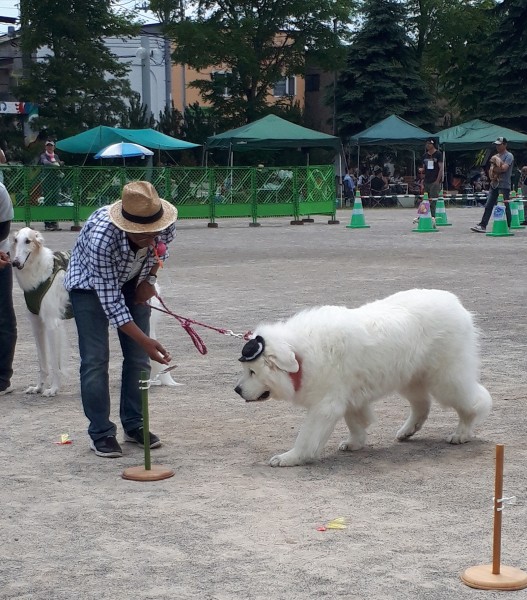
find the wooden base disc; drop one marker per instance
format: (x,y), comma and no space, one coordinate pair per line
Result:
(482,578)
(156,473)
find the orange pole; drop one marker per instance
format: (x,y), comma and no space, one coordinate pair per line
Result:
(498,509)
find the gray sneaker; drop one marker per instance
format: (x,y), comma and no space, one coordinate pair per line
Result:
(478,229)
(8,390)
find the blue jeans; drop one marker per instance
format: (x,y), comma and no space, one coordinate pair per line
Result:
(7,327)
(92,328)
(492,200)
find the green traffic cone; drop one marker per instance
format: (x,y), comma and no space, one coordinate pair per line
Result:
(515,213)
(499,225)
(441,218)
(425,223)
(521,211)
(357,214)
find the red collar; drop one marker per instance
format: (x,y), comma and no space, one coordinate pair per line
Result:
(296,378)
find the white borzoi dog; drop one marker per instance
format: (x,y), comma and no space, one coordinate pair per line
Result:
(47,301)
(48,305)
(336,362)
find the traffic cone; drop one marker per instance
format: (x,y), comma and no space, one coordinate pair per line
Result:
(441,218)
(357,214)
(515,213)
(425,223)
(521,211)
(499,225)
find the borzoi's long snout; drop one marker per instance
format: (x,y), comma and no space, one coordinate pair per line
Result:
(18,264)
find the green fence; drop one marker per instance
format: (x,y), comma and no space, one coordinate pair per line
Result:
(73,193)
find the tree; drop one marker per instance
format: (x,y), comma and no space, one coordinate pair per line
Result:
(451,42)
(78,83)
(381,76)
(254,44)
(503,98)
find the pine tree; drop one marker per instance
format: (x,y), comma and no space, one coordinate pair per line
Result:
(382,73)
(503,98)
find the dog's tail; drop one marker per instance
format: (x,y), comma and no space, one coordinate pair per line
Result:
(483,403)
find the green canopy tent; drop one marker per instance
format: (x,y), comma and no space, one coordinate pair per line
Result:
(93,140)
(392,131)
(271,132)
(476,134)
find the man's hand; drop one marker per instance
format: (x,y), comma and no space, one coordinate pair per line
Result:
(156,351)
(4,260)
(152,347)
(143,292)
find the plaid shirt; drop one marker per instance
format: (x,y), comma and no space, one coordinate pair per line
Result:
(102,260)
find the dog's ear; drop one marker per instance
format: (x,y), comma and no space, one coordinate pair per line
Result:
(282,357)
(39,240)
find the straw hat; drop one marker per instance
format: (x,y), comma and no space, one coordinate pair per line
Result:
(141,210)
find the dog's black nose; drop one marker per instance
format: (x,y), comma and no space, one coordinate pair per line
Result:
(238,390)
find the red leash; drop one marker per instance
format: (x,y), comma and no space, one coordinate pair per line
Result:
(187,323)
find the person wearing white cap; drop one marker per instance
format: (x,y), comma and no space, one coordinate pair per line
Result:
(110,277)
(500,183)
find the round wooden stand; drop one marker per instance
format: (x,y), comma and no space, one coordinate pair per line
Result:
(481,577)
(496,576)
(155,473)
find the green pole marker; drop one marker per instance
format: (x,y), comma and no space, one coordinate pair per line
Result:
(146,420)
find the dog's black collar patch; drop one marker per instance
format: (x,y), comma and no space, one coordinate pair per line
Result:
(252,349)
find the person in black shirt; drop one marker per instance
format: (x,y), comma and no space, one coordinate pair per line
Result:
(433,167)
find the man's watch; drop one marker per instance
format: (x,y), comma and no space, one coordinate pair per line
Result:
(151,279)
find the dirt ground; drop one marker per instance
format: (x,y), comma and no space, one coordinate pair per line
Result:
(227,526)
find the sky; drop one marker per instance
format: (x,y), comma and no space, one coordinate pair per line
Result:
(8,8)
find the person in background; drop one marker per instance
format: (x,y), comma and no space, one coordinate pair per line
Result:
(500,183)
(111,276)
(8,332)
(433,168)
(50,180)
(348,184)
(378,183)
(3,161)
(389,167)
(523,187)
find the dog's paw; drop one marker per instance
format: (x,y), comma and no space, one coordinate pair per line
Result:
(456,438)
(350,445)
(407,431)
(34,389)
(52,391)
(166,380)
(287,459)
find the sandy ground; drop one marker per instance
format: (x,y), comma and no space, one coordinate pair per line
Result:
(227,526)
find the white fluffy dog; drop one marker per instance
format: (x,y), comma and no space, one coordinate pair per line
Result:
(336,362)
